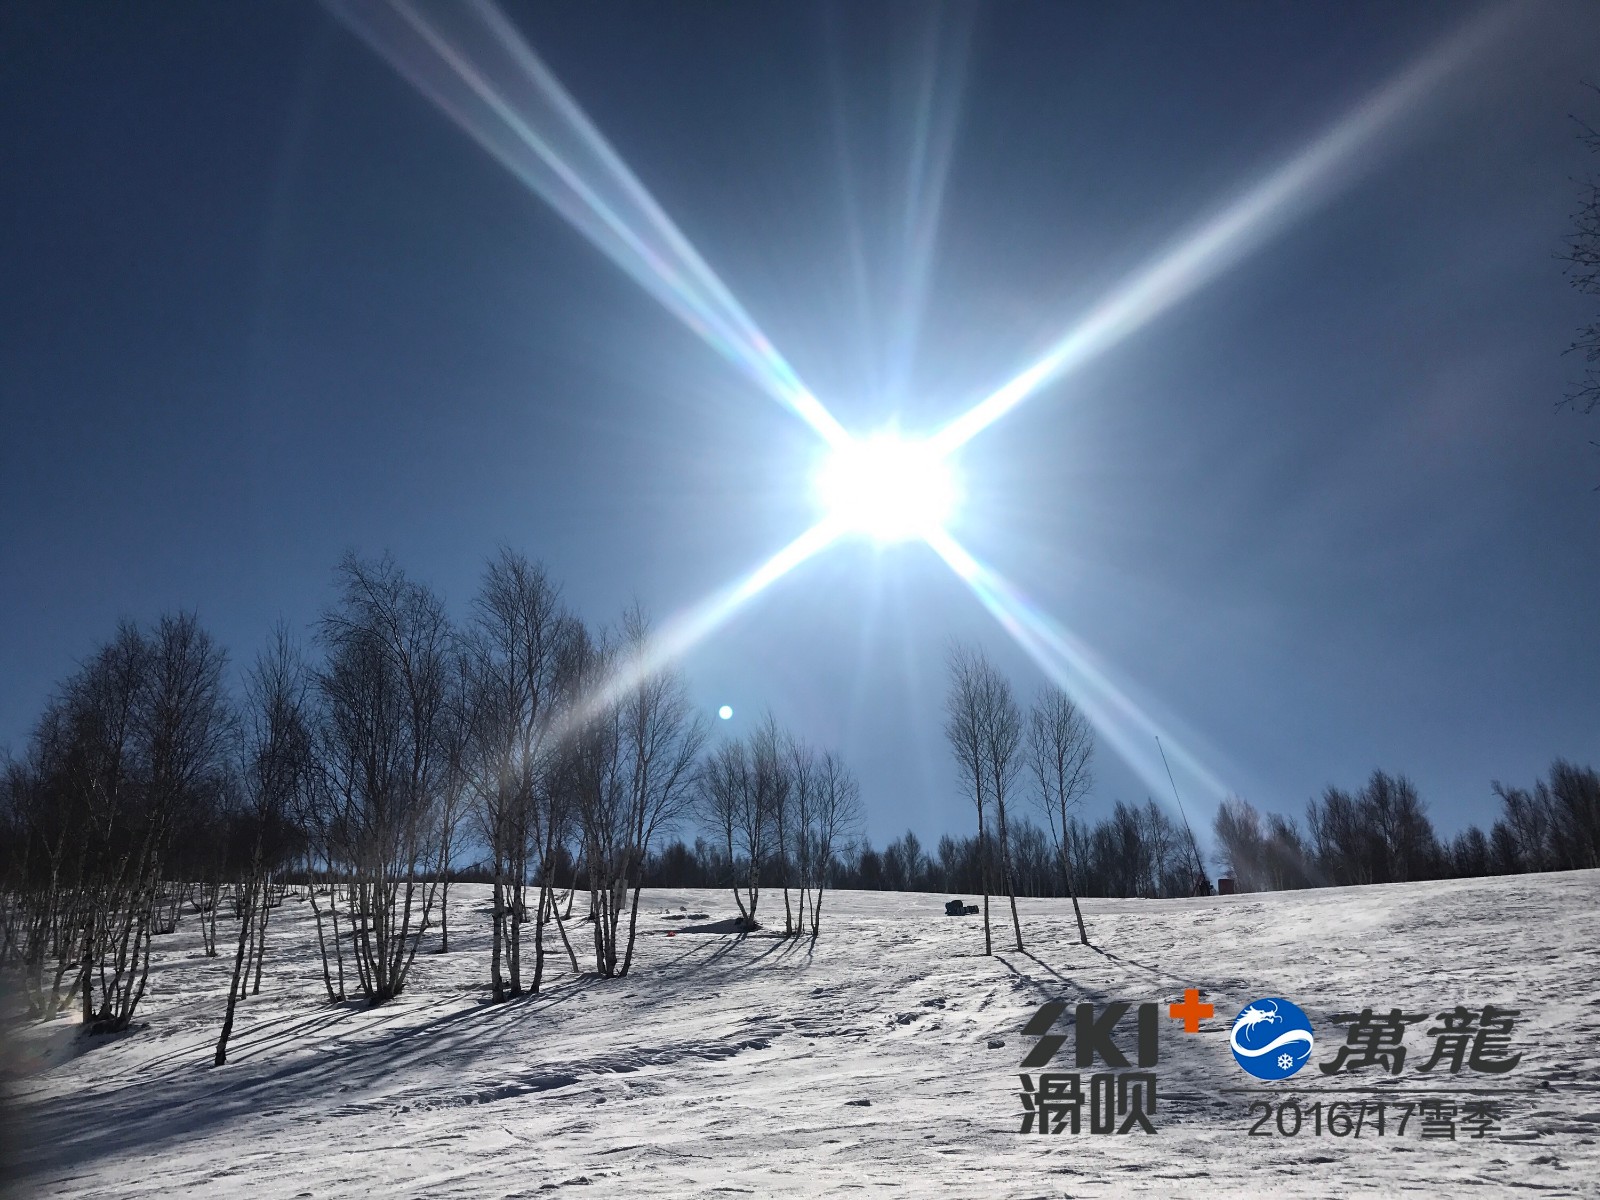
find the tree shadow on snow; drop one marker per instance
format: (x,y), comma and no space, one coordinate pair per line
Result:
(1120,960)
(1077,988)
(727,925)
(70,1130)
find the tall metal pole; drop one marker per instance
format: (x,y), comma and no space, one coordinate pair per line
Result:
(1194,847)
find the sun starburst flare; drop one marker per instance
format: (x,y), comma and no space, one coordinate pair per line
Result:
(471,61)
(888,488)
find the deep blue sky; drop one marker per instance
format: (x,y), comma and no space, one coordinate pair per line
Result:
(262,303)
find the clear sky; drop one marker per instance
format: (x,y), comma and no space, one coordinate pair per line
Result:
(263,302)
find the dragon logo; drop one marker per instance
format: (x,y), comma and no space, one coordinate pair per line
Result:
(1271,1038)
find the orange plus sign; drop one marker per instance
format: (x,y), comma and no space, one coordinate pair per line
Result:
(1190,1011)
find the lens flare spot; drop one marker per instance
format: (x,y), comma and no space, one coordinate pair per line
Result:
(725,712)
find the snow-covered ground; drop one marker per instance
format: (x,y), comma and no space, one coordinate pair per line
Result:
(883,1059)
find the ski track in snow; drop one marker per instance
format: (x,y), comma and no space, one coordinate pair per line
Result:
(880,1060)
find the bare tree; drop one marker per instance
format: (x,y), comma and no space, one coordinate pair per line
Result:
(984,728)
(1379,835)
(385,699)
(771,771)
(275,760)
(593,749)
(515,651)
(964,730)
(1004,744)
(744,791)
(726,794)
(1169,868)
(1060,751)
(836,816)
(1340,837)
(636,774)
(456,729)
(801,850)
(661,741)
(154,723)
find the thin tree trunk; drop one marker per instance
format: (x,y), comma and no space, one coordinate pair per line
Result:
(562,929)
(514,942)
(444,918)
(235,985)
(88,967)
(633,928)
(261,936)
(499,923)
(1005,869)
(322,942)
(540,916)
(983,872)
(333,912)
(1072,890)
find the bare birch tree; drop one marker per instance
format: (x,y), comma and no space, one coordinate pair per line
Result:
(964,730)
(1061,751)
(275,759)
(801,835)
(385,697)
(835,816)
(1001,724)
(157,722)
(771,768)
(726,793)
(661,741)
(635,777)
(515,649)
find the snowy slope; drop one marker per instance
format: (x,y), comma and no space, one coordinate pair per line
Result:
(881,1060)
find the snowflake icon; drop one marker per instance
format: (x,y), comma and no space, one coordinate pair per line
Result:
(1285,1061)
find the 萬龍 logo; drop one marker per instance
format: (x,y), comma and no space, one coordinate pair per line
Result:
(1271,1038)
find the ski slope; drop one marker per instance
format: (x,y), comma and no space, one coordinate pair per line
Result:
(881,1060)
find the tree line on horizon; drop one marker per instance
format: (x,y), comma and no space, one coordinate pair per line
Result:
(1381,833)
(1372,835)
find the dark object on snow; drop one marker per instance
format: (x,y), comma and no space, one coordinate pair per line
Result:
(959,908)
(1224,886)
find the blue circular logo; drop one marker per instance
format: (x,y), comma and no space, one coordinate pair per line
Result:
(1271,1038)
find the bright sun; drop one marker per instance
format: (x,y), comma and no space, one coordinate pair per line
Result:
(889,489)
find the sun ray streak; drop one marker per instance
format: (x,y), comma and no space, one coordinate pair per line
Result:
(688,628)
(1065,661)
(943,43)
(1221,242)
(471,62)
